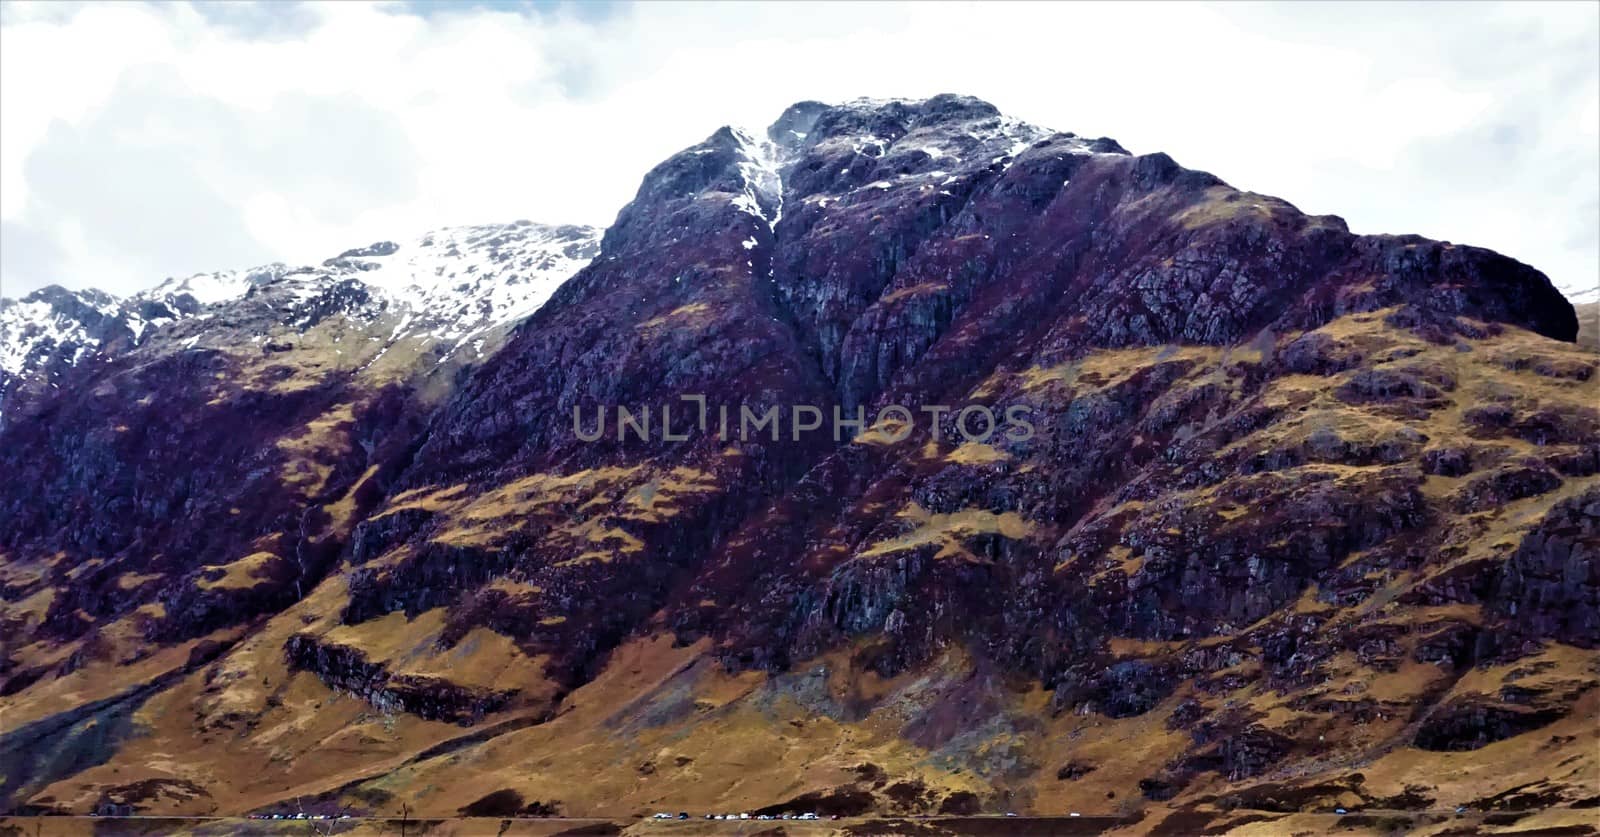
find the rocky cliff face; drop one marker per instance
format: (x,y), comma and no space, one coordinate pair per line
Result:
(1300,511)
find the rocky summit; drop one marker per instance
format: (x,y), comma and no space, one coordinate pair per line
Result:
(1305,518)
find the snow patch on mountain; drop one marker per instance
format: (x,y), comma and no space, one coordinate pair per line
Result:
(760,167)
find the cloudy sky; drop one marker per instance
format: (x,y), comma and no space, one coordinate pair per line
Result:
(144,141)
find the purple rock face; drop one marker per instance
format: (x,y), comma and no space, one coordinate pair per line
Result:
(1257,436)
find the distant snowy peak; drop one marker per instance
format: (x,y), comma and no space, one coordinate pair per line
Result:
(454,281)
(448,286)
(53,324)
(211,288)
(457,281)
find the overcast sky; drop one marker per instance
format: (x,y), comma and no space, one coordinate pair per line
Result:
(144,141)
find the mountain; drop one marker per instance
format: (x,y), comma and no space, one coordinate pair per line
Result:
(1299,518)
(453,286)
(51,330)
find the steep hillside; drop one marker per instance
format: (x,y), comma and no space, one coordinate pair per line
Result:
(1306,518)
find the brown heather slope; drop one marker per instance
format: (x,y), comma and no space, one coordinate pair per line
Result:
(1310,519)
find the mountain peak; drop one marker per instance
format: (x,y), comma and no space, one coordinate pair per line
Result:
(810,122)
(58,295)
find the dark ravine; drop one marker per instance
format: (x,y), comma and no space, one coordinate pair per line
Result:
(1296,496)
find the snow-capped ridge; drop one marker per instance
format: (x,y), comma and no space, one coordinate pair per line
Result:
(459,281)
(447,286)
(212,288)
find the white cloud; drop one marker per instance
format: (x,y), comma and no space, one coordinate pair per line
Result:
(143,141)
